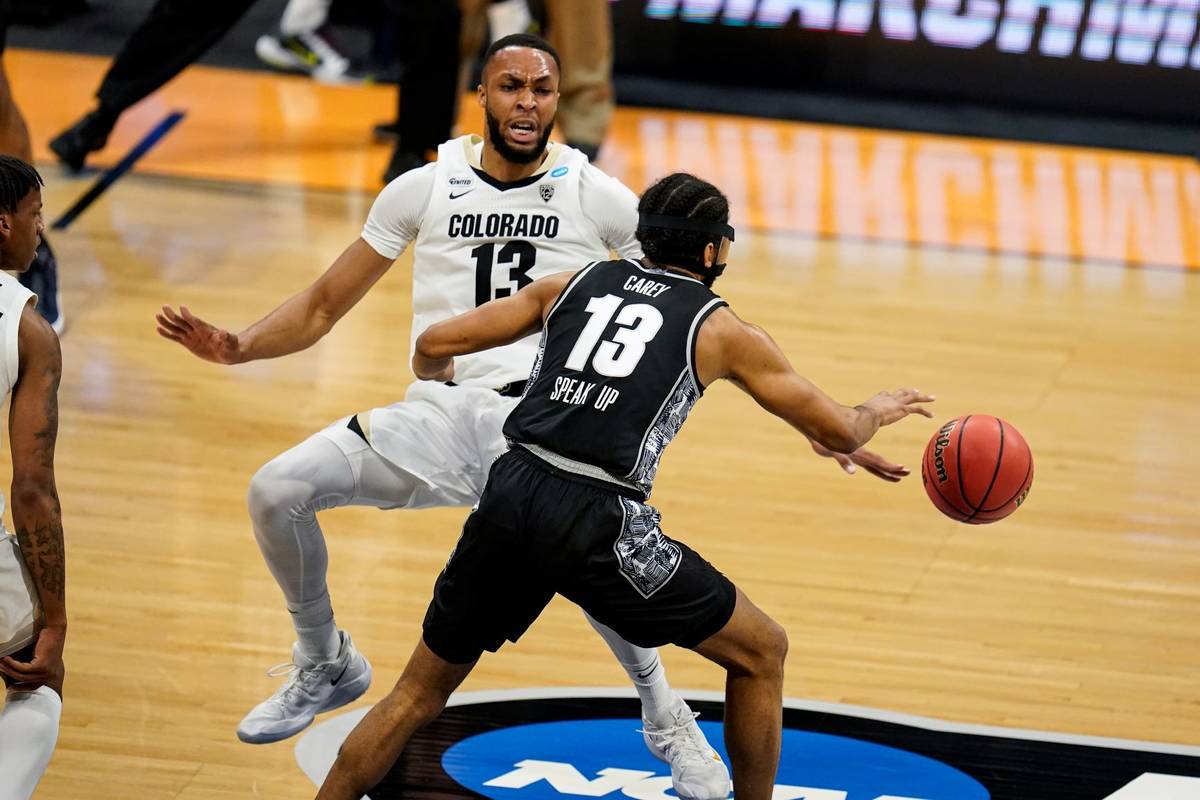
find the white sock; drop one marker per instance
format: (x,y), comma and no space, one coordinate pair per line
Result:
(508,17)
(646,670)
(316,631)
(304,16)
(28,733)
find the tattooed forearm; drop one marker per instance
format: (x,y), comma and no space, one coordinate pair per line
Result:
(33,431)
(42,547)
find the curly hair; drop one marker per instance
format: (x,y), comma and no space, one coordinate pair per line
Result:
(685,196)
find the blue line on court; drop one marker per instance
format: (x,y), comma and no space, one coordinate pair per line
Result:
(117,171)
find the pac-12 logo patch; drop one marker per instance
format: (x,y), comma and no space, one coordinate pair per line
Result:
(561,744)
(546,191)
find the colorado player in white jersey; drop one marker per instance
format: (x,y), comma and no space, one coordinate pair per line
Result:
(33,617)
(488,218)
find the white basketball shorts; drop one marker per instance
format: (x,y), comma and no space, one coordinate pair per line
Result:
(20,611)
(445,436)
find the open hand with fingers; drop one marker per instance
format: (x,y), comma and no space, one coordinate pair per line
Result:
(869,460)
(203,339)
(894,406)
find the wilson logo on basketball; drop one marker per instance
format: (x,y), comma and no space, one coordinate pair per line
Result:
(940,444)
(977,469)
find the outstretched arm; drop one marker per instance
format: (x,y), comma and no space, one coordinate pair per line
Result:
(745,354)
(295,325)
(493,324)
(33,430)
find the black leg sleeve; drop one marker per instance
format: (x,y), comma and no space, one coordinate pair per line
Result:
(172,36)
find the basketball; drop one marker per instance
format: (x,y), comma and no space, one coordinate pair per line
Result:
(977,469)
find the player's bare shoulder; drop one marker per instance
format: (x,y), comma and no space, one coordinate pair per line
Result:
(718,340)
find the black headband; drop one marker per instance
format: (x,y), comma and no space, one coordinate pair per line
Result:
(684,224)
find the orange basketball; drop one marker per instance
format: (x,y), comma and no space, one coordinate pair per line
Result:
(977,469)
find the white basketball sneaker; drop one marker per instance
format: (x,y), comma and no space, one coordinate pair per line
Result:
(697,771)
(312,52)
(310,689)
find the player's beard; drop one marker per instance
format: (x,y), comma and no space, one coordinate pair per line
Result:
(507,151)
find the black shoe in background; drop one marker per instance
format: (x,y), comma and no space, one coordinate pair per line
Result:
(88,134)
(42,279)
(402,161)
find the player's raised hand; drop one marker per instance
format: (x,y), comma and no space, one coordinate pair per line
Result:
(895,406)
(203,339)
(869,460)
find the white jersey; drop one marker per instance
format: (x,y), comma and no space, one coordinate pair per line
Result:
(19,607)
(478,239)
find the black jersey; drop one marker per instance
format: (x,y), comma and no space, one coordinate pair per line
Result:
(615,375)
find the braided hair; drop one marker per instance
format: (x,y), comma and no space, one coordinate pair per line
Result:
(684,196)
(17,179)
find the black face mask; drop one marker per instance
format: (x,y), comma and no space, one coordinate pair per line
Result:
(712,273)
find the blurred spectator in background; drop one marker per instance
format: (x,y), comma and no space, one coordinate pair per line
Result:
(581,31)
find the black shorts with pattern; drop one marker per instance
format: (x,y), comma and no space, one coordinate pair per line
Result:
(539,531)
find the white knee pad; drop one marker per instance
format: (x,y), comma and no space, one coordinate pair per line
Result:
(28,733)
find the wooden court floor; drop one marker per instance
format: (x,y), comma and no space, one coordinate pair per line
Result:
(1078,614)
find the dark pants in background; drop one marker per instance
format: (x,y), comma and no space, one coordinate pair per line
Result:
(172,36)
(428,43)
